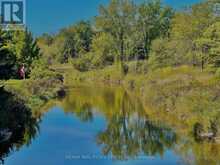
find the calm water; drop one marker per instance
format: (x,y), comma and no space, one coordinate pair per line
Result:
(99,126)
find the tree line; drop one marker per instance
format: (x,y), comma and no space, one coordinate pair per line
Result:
(122,32)
(125,31)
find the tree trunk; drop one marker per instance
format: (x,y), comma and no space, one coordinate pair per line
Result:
(146,44)
(122,46)
(203,62)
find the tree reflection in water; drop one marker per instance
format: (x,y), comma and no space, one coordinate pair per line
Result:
(129,131)
(16,120)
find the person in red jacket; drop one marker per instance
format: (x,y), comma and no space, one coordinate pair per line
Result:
(22,72)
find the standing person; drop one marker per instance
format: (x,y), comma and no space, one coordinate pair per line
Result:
(22,72)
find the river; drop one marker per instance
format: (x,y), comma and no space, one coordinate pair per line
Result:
(102,125)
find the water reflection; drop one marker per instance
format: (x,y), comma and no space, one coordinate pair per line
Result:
(17,126)
(129,131)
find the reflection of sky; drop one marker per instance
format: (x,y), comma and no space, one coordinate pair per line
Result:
(63,135)
(51,15)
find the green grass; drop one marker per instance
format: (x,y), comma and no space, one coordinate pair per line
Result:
(14,83)
(62,68)
(35,93)
(19,89)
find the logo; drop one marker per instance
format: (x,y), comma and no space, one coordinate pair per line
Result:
(216,9)
(12,14)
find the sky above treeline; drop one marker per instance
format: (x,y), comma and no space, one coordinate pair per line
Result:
(49,16)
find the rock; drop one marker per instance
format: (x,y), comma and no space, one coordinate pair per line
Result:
(5,135)
(61,93)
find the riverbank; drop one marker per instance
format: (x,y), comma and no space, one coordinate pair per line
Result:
(35,93)
(185,94)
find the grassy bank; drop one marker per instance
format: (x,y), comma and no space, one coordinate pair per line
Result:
(35,93)
(186,93)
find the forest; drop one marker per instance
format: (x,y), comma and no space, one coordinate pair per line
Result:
(151,32)
(124,34)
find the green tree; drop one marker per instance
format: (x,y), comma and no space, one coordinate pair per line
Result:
(30,50)
(191,23)
(77,40)
(166,52)
(8,58)
(187,43)
(153,22)
(117,19)
(209,46)
(103,50)
(189,26)
(48,48)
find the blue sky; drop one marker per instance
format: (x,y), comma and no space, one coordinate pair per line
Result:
(51,15)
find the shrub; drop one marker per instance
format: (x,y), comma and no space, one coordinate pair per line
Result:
(40,70)
(82,64)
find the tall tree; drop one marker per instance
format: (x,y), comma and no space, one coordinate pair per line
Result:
(153,21)
(77,40)
(117,19)
(209,46)
(103,50)
(30,50)
(7,57)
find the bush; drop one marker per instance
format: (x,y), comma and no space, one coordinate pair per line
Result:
(83,64)
(40,71)
(45,74)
